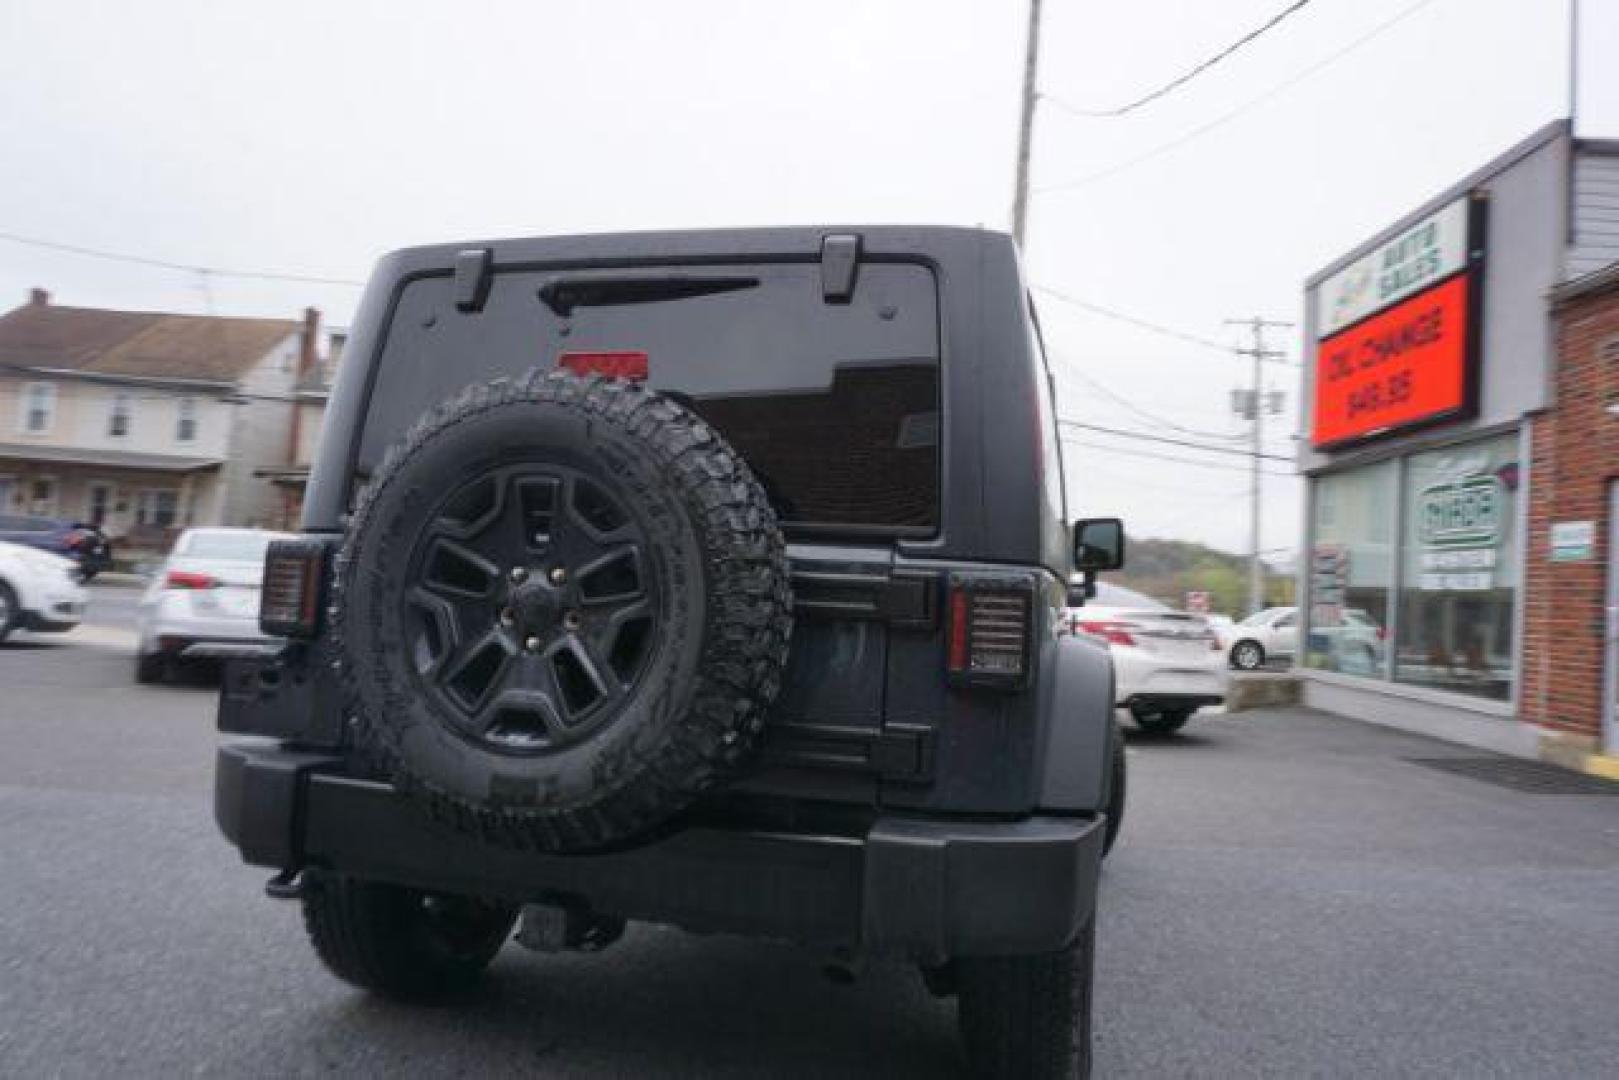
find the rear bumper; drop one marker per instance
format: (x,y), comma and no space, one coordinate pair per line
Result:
(928,889)
(1145,679)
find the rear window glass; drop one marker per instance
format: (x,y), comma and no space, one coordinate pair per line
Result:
(227,547)
(834,406)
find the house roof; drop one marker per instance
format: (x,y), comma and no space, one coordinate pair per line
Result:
(1605,280)
(136,344)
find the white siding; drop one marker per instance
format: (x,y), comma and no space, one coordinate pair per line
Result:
(310,415)
(1596,213)
(153,417)
(261,438)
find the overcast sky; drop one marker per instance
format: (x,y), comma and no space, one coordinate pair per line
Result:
(311,137)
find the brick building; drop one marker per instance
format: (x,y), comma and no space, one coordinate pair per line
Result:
(1570,588)
(1460,447)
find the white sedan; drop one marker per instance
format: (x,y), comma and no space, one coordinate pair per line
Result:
(38,591)
(1272,634)
(1166,663)
(204,600)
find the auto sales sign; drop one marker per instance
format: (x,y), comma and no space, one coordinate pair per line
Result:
(1397,330)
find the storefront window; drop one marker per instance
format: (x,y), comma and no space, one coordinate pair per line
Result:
(1351,570)
(1459,576)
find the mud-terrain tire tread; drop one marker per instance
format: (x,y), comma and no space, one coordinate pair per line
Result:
(747,618)
(1029,1017)
(363,932)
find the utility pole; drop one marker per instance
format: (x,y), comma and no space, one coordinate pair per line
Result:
(1573,68)
(1253,405)
(1031,67)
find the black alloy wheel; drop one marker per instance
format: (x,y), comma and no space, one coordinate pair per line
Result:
(535,607)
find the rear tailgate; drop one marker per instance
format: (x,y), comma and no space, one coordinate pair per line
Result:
(828,386)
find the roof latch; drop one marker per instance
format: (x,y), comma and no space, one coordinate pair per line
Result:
(840,262)
(474,273)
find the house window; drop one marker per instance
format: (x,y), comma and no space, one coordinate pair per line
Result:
(185,425)
(42,496)
(157,507)
(118,416)
(98,504)
(38,407)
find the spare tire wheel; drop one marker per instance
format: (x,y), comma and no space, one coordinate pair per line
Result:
(562,608)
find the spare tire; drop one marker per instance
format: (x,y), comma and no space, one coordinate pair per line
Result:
(562,611)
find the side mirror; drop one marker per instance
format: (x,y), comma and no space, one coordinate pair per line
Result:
(1098,545)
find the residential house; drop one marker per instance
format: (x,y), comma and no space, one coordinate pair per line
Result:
(313,389)
(144,423)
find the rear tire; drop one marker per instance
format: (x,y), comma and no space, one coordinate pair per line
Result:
(1115,795)
(152,668)
(1247,656)
(10,614)
(400,942)
(1159,721)
(1030,1016)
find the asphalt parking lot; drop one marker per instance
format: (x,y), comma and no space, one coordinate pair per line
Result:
(1291,895)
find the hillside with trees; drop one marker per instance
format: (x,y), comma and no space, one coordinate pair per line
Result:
(1168,569)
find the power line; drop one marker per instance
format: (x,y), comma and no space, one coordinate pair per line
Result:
(1071,368)
(1187,76)
(1157,328)
(1131,451)
(190,268)
(1220,121)
(1147,437)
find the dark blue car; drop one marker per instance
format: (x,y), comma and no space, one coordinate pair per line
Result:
(84,544)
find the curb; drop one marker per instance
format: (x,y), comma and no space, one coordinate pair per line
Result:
(1603,766)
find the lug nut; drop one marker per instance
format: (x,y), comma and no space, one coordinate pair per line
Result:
(571,620)
(558,575)
(507,616)
(532,644)
(518,575)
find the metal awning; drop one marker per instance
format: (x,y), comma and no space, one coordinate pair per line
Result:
(107,459)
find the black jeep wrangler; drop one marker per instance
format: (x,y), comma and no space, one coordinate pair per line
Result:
(705,578)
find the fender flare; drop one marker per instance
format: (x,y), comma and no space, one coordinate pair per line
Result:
(1078,728)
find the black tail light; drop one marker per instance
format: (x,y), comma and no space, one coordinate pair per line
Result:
(990,634)
(293,588)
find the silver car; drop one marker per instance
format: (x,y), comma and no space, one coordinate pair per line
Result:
(203,601)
